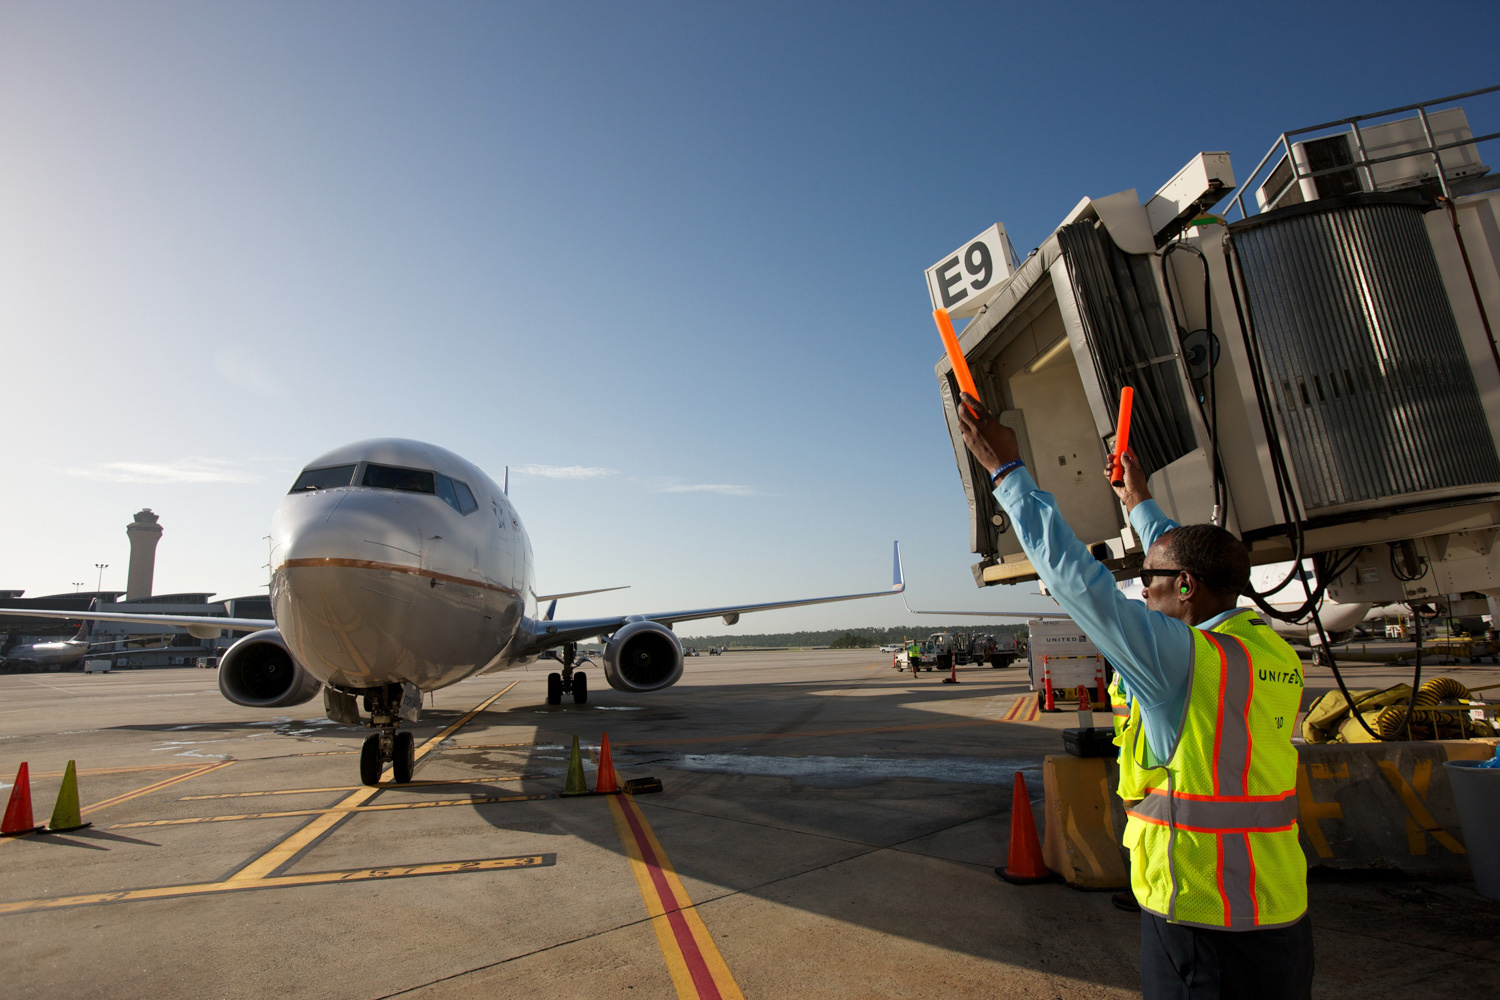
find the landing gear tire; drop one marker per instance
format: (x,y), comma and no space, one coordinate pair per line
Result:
(580,687)
(403,757)
(554,689)
(369,760)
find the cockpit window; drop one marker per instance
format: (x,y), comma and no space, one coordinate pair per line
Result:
(323,479)
(455,494)
(466,502)
(390,477)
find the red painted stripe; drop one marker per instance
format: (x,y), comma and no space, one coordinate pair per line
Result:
(703,980)
(1219,720)
(1219,875)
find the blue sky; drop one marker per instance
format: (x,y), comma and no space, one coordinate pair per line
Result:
(663,260)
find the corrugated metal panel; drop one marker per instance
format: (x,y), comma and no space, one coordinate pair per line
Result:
(1370,378)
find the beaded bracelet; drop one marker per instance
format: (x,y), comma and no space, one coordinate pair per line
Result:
(995,477)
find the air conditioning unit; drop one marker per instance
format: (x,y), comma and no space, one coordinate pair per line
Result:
(1331,153)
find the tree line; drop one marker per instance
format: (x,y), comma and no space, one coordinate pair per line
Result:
(861,638)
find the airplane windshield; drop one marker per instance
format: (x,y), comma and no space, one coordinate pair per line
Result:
(323,479)
(455,494)
(390,477)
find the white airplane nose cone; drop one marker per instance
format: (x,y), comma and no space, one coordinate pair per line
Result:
(347,528)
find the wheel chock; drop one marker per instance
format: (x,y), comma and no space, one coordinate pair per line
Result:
(640,786)
(575,784)
(18,820)
(66,816)
(605,782)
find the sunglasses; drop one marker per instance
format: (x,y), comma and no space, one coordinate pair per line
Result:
(1147,574)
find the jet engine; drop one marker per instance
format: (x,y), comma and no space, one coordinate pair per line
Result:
(643,656)
(259,672)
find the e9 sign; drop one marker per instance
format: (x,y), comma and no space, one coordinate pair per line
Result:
(959,282)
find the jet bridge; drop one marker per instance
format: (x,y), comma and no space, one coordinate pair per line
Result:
(1317,371)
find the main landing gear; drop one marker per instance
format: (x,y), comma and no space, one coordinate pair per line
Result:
(570,681)
(387,745)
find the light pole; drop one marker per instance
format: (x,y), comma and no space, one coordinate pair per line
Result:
(101,567)
(77,586)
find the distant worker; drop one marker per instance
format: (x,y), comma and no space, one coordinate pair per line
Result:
(1207,765)
(914,656)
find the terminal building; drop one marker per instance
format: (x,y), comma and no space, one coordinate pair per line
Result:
(128,644)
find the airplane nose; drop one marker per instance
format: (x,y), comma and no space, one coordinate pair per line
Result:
(346,528)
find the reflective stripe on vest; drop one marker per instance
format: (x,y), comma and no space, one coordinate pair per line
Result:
(1250,814)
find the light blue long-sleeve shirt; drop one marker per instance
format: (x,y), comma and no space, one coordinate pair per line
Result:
(1152,653)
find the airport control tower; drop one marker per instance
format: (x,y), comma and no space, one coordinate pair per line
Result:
(144,533)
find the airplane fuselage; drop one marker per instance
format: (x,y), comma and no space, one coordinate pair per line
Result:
(49,654)
(417,569)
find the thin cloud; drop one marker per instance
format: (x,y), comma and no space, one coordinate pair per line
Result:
(563,471)
(723,489)
(185,470)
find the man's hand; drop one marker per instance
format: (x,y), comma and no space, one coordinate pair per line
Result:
(1135,490)
(992,442)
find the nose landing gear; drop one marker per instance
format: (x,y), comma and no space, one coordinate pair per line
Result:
(570,681)
(387,744)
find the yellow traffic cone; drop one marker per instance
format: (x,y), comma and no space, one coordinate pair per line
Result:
(66,815)
(575,784)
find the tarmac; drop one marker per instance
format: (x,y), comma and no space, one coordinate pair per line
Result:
(828,828)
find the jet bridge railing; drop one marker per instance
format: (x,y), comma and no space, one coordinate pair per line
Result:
(1282,152)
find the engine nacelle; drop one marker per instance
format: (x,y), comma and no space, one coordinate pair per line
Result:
(259,672)
(643,656)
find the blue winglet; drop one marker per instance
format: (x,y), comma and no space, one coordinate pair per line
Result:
(551,609)
(898,577)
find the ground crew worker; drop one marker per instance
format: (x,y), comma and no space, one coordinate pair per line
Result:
(1207,754)
(914,656)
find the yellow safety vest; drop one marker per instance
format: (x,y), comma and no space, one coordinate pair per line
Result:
(1127,718)
(1213,839)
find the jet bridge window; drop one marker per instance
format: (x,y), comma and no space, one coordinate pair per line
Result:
(323,479)
(390,477)
(456,495)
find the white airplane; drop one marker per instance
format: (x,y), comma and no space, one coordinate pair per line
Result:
(64,653)
(61,653)
(401,568)
(1336,618)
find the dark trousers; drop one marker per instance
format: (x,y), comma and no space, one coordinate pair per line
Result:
(1194,963)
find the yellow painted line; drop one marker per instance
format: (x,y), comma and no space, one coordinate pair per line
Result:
(82,771)
(473,800)
(697,969)
(283,852)
(495,746)
(156,787)
(355,788)
(283,881)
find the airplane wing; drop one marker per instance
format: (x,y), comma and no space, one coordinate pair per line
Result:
(977,614)
(577,593)
(178,621)
(555,633)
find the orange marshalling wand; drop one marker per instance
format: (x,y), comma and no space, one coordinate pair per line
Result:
(1122,437)
(955,355)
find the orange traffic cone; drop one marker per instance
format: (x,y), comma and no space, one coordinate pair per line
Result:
(1024,865)
(18,819)
(605,782)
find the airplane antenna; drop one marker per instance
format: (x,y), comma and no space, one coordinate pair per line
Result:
(506,488)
